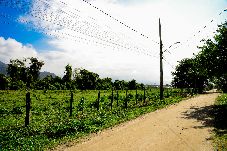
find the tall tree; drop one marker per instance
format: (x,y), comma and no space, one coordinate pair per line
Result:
(85,79)
(35,67)
(132,85)
(213,58)
(67,78)
(68,73)
(17,70)
(20,74)
(4,82)
(188,75)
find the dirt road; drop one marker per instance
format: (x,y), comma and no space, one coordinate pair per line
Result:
(183,127)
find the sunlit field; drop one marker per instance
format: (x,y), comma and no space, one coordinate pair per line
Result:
(50,120)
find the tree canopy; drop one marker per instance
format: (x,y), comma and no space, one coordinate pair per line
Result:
(21,76)
(210,64)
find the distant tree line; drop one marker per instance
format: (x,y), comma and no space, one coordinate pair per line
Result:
(208,68)
(24,74)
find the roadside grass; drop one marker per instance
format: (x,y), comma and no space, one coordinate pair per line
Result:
(50,124)
(220,123)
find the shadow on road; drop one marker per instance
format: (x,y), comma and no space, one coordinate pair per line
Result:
(202,114)
(210,116)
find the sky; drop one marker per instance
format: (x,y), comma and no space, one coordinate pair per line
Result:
(114,38)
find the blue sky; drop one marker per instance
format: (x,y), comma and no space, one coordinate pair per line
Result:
(181,19)
(11,27)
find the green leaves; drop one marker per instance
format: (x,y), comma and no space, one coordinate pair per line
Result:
(210,64)
(50,123)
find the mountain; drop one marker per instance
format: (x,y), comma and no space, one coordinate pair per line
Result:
(45,73)
(3,68)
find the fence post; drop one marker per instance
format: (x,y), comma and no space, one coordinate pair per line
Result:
(28,107)
(117,98)
(112,99)
(71,105)
(126,100)
(136,96)
(98,100)
(144,95)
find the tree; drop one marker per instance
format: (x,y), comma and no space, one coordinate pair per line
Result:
(120,84)
(86,80)
(35,67)
(21,75)
(68,73)
(132,85)
(104,84)
(213,58)
(4,82)
(67,78)
(17,70)
(188,75)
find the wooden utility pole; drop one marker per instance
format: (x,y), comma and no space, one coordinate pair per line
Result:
(161,65)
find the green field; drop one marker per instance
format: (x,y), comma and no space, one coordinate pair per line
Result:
(220,123)
(50,123)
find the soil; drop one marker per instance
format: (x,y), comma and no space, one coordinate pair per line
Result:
(186,126)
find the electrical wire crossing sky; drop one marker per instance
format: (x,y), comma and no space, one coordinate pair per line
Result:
(114,38)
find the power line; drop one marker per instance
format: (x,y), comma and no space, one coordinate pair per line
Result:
(59,24)
(107,14)
(194,35)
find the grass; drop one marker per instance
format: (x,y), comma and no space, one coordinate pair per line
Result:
(220,123)
(51,125)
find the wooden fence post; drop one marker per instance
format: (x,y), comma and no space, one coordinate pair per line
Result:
(28,107)
(98,101)
(112,99)
(126,100)
(117,98)
(71,105)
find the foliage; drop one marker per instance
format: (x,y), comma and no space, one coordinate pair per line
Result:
(50,123)
(85,79)
(104,84)
(188,75)
(4,82)
(132,85)
(67,78)
(220,123)
(210,64)
(21,75)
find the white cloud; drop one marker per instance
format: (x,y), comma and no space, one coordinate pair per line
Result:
(11,49)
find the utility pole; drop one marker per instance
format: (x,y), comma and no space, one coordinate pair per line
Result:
(161,65)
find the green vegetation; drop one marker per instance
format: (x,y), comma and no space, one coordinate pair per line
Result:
(208,68)
(220,123)
(50,120)
(24,74)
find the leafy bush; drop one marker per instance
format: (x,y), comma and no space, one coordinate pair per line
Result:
(220,123)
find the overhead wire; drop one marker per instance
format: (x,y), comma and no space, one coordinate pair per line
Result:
(181,43)
(62,25)
(107,14)
(195,34)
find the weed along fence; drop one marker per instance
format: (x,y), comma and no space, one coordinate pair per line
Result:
(38,118)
